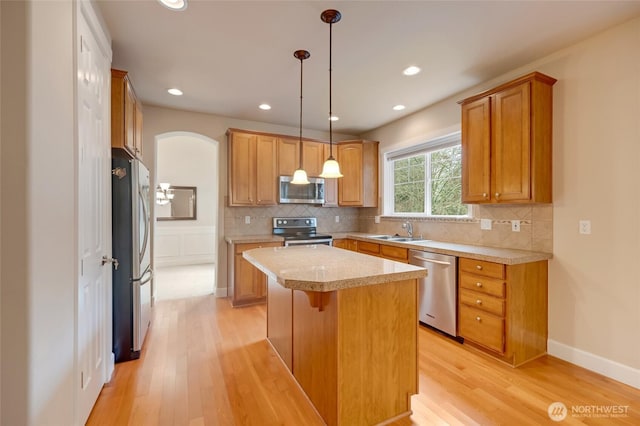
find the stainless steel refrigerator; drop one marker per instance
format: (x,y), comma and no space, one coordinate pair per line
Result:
(132,274)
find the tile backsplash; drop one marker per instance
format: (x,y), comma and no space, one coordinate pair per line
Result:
(536,227)
(536,224)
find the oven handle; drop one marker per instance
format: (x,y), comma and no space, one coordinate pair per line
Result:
(307,242)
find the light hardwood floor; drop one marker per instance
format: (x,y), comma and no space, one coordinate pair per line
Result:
(205,363)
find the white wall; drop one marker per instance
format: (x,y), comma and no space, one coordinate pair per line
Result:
(594,294)
(39,235)
(187,159)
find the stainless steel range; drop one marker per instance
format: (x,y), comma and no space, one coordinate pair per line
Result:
(298,231)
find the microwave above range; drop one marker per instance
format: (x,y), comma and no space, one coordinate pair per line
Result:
(311,193)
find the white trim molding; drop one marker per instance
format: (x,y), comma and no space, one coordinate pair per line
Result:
(177,245)
(611,369)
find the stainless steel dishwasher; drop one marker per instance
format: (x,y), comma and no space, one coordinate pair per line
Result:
(438,290)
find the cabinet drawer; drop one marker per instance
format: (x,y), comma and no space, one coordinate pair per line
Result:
(483,302)
(248,246)
(394,253)
(480,267)
(481,328)
(483,285)
(370,248)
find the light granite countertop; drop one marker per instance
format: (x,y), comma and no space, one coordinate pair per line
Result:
(490,254)
(323,268)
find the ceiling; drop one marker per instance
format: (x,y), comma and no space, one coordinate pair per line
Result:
(230,56)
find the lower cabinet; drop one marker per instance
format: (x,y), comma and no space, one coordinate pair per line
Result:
(399,254)
(249,284)
(502,309)
(346,243)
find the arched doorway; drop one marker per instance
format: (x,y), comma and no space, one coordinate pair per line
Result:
(184,246)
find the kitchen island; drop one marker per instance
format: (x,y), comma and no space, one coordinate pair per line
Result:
(345,324)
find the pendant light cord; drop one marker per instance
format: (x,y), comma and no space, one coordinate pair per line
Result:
(330,113)
(300,149)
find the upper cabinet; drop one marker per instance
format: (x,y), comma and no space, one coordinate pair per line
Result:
(506,143)
(253,169)
(126,115)
(359,165)
(288,156)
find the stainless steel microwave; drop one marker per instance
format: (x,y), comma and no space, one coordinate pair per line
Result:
(311,193)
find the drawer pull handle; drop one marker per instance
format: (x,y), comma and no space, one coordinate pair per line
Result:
(478,302)
(479,267)
(478,319)
(478,285)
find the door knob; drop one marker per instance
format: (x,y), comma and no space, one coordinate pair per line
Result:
(106,259)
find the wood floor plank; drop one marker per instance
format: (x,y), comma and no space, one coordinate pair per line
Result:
(205,363)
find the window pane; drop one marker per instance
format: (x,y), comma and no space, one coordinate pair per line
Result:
(409,185)
(446,182)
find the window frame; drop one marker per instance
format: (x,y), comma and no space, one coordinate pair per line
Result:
(431,145)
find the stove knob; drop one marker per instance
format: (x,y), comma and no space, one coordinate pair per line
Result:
(307,222)
(284,221)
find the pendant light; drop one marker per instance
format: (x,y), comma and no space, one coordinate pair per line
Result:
(331,168)
(300,176)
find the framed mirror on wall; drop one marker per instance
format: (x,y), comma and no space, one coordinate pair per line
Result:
(176,202)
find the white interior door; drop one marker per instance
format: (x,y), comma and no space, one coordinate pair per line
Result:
(93,330)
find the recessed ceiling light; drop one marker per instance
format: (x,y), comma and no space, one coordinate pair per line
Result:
(334,118)
(398,107)
(177,5)
(175,92)
(412,70)
(265,107)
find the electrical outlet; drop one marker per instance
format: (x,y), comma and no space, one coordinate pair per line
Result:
(247,220)
(485,224)
(515,225)
(376,219)
(337,219)
(585,227)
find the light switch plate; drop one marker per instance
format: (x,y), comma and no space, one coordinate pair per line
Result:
(247,220)
(376,219)
(585,227)
(485,224)
(337,219)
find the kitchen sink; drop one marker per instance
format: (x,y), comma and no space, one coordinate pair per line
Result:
(396,238)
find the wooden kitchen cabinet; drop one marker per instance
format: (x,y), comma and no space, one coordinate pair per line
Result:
(249,283)
(346,243)
(330,185)
(359,165)
(288,156)
(507,143)
(313,156)
(126,116)
(387,251)
(502,309)
(253,172)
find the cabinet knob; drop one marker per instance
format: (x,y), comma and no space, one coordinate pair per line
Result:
(478,302)
(479,267)
(478,319)
(497,195)
(478,284)
(485,195)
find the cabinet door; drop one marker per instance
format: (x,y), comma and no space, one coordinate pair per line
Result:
(330,185)
(249,282)
(350,186)
(511,144)
(288,156)
(242,177)
(266,170)
(476,151)
(313,157)
(138,131)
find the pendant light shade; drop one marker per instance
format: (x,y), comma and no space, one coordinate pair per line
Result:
(300,176)
(331,168)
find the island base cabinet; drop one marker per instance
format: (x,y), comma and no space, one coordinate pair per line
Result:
(279,320)
(355,351)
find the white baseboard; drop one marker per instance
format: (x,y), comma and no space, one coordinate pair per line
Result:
(611,369)
(221,292)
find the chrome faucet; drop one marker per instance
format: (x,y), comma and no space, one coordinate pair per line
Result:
(409,227)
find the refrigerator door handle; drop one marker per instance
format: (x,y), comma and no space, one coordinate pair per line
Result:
(146,276)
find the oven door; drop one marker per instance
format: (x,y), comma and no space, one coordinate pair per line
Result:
(324,241)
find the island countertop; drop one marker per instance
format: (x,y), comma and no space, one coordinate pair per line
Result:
(322,268)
